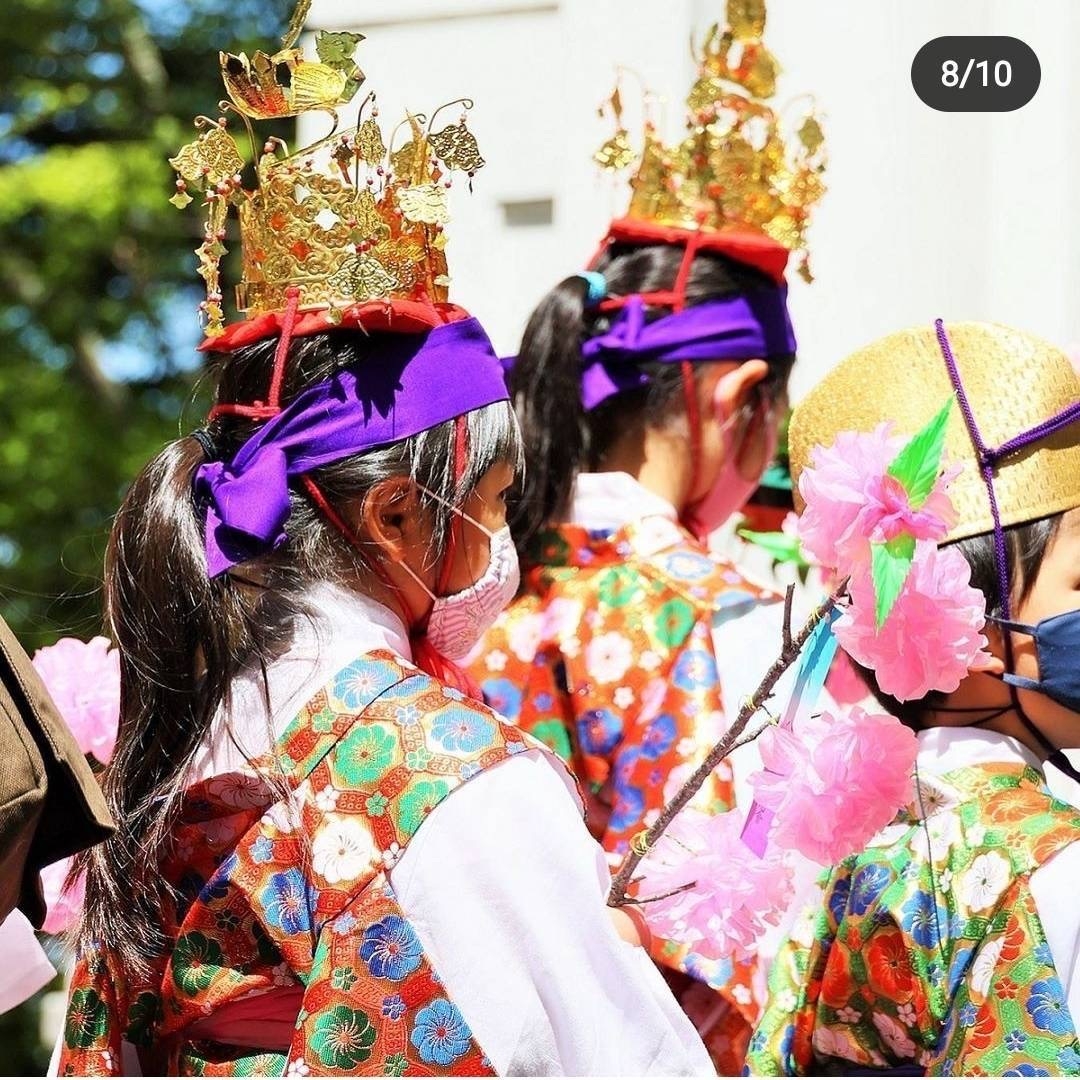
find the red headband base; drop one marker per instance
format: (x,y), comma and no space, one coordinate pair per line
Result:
(393,316)
(743,245)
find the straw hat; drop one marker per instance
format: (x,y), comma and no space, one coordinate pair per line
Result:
(1013,381)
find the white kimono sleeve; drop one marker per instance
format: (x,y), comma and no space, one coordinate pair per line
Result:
(1053,886)
(506,890)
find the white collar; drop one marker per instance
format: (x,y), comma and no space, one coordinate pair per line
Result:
(345,625)
(610,500)
(942,749)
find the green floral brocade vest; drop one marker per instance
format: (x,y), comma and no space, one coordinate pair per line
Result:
(290,897)
(926,951)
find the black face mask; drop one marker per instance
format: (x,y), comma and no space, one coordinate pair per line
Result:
(1057,646)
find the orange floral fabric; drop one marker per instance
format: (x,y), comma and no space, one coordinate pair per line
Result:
(289,895)
(607,656)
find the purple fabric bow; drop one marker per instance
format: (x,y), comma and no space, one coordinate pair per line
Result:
(407,384)
(744,327)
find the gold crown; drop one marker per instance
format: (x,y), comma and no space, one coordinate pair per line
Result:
(1013,381)
(352,218)
(733,169)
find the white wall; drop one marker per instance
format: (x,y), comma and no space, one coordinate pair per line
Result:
(959,215)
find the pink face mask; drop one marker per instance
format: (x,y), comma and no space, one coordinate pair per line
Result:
(731,491)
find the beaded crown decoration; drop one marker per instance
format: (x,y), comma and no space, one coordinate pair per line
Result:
(733,171)
(357,217)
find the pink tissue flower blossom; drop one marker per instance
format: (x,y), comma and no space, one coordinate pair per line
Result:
(63,906)
(833,781)
(733,895)
(933,635)
(83,678)
(852,501)
(837,490)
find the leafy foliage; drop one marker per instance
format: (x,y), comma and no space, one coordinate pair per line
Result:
(97,272)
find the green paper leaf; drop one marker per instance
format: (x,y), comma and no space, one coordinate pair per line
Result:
(336,48)
(783,548)
(890,564)
(917,466)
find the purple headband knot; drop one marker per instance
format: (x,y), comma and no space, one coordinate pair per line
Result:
(406,384)
(751,325)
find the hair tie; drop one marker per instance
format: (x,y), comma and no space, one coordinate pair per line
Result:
(597,287)
(204,439)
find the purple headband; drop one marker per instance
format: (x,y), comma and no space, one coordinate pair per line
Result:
(410,383)
(755,324)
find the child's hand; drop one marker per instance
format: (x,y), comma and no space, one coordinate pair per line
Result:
(630,926)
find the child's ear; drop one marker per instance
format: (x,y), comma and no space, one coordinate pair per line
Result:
(734,390)
(390,514)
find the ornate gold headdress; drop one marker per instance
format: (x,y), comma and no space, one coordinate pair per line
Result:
(352,218)
(733,171)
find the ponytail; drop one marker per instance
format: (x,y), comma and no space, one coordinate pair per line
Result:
(560,438)
(184,637)
(177,633)
(544,386)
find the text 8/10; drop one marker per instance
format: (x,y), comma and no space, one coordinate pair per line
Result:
(1001,73)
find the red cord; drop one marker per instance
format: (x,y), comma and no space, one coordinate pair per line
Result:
(281,354)
(258,410)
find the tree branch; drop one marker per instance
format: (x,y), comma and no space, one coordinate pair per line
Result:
(732,737)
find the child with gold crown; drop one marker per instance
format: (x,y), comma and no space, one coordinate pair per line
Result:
(330,859)
(940,471)
(650,388)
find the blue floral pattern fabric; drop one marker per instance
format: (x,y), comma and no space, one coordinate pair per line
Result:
(290,895)
(926,951)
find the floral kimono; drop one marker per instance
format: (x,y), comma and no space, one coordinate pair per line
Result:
(426,901)
(608,657)
(264,912)
(948,947)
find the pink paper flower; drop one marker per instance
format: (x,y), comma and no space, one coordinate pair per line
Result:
(838,490)
(734,895)
(852,501)
(834,781)
(892,514)
(933,635)
(63,907)
(83,678)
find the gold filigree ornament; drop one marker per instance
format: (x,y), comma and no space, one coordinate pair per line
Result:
(352,218)
(737,166)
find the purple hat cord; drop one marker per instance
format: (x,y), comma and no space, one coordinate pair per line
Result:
(989,458)
(408,384)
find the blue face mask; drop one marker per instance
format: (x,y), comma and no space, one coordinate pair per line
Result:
(1057,646)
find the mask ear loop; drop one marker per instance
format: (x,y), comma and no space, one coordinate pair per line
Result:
(461,451)
(425,656)
(988,460)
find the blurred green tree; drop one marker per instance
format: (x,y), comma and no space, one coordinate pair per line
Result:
(97,291)
(97,272)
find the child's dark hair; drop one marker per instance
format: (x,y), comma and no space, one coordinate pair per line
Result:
(1026,546)
(183,636)
(560,437)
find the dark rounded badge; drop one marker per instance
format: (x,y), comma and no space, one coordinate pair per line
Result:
(976,74)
